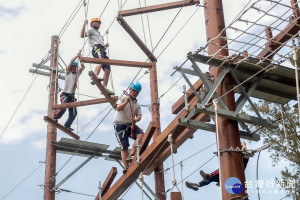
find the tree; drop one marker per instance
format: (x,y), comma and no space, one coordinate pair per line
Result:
(285,140)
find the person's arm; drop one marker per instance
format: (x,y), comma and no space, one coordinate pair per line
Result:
(121,106)
(82,66)
(137,118)
(72,60)
(82,33)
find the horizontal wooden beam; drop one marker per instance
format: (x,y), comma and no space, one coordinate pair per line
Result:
(108,181)
(82,103)
(136,38)
(116,62)
(61,127)
(159,7)
(102,89)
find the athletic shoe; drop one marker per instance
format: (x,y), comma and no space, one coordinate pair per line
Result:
(125,170)
(130,157)
(192,186)
(205,176)
(99,78)
(110,92)
(69,128)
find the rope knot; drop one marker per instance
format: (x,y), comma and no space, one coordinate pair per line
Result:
(141,177)
(170,138)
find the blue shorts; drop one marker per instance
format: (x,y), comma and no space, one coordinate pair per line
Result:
(123,133)
(97,51)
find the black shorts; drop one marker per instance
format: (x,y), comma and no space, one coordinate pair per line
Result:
(97,51)
(123,133)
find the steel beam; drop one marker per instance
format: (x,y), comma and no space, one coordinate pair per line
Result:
(72,173)
(35,71)
(212,128)
(237,116)
(38,66)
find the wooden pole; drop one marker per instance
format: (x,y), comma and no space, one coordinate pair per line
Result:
(50,167)
(231,164)
(158,175)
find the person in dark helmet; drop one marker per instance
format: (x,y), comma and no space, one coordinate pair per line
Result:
(68,94)
(128,113)
(213,176)
(98,49)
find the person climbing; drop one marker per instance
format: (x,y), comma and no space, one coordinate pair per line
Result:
(98,49)
(128,113)
(68,94)
(213,176)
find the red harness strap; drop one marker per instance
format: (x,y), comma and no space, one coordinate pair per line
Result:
(132,116)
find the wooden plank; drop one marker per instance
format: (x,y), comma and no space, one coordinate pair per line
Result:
(175,196)
(159,7)
(61,127)
(179,104)
(146,138)
(82,103)
(116,62)
(136,38)
(102,88)
(108,181)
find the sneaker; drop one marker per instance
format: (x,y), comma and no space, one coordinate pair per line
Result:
(69,128)
(125,170)
(205,176)
(192,186)
(99,78)
(130,157)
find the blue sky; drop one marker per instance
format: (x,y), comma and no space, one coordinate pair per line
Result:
(27,27)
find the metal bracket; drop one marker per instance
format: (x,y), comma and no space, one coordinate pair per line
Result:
(138,146)
(186,103)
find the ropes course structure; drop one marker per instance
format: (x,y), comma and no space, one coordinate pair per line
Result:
(245,50)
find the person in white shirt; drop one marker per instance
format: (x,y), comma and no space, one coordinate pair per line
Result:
(68,94)
(98,49)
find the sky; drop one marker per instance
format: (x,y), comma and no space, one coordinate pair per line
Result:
(27,27)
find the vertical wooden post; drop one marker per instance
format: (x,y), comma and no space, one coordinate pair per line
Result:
(159,176)
(231,162)
(50,167)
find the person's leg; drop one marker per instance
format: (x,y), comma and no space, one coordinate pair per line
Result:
(133,149)
(72,116)
(63,99)
(106,76)
(98,69)
(124,155)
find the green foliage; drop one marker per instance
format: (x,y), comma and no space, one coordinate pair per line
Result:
(282,147)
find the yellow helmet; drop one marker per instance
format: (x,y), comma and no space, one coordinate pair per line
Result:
(95,20)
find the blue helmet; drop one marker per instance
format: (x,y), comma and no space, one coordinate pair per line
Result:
(75,64)
(136,86)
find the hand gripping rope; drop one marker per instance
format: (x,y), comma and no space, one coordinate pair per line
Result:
(132,117)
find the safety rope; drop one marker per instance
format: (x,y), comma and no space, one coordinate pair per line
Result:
(143,27)
(174,182)
(284,128)
(181,167)
(215,102)
(141,178)
(295,57)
